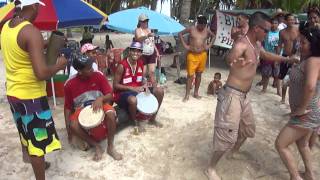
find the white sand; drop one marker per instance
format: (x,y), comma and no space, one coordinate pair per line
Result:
(179,151)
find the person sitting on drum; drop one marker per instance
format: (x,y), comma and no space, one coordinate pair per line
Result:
(129,80)
(90,87)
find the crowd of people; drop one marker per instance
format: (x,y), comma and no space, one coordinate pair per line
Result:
(291,52)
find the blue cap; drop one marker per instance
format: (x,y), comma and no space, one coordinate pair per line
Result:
(136,45)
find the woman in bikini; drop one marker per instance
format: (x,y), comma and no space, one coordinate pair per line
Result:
(150,53)
(304,98)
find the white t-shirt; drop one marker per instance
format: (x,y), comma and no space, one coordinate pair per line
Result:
(282,26)
(148,44)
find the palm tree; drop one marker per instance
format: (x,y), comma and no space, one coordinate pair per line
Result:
(185,11)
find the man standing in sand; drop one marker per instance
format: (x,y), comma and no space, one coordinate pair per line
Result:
(197,53)
(26,75)
(234,121)
(289,38)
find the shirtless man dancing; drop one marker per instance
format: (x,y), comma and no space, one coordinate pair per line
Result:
(288,41)
(234,121)
(197,52)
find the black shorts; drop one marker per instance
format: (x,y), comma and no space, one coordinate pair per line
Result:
(284,67)
(150,59)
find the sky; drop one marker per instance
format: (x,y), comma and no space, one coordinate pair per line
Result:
(165,7)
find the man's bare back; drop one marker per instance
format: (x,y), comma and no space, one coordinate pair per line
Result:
(241,78)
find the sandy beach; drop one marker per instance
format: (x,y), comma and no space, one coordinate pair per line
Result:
(179,151)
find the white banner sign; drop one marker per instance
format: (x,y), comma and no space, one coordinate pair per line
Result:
(224,24)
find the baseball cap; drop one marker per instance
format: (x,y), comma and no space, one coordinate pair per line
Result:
(81,61)
(136,45)
(24,3)
(143,17)
(88,47)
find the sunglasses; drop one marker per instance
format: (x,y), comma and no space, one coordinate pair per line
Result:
(264,29)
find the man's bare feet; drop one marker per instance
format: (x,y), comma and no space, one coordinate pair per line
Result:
(185,99)
(283,101)
(233,155)
(197,96)
(211,174)
(98,154)
(263,91)
(114,154)
(278,93)
(138,130)
(156,123)
(259,84)
(307,176)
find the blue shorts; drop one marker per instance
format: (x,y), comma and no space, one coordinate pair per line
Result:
(123,100)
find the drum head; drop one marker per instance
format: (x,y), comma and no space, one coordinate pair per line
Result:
(147,103)
(89,119)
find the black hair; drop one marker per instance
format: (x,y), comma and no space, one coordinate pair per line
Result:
(217,74)
(313,36)
(81,61)
(257,18)
(202,19)
(313,10)
(17,7)
(286,17)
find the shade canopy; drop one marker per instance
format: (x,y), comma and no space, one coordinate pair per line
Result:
(127,20)
(61,14)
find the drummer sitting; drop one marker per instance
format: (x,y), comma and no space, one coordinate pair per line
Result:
(129,80)
(90,87)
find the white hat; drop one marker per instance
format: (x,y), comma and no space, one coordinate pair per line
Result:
(143,17)
(30,2)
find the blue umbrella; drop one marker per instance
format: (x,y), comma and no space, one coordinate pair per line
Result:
(127,20)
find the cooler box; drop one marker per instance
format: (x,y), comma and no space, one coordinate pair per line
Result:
(58,81)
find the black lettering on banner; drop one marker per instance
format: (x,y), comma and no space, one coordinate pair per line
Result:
(228,20)
(226,40)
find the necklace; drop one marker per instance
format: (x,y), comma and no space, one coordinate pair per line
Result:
(133,70)
(254,49)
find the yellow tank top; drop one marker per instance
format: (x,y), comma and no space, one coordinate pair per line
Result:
(21,80)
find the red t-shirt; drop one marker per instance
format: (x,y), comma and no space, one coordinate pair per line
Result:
(78,91)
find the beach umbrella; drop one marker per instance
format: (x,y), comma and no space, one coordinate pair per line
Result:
(127,20)
(61,14)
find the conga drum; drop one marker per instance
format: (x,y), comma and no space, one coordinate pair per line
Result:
(147,105)
(56,43)
(93,123)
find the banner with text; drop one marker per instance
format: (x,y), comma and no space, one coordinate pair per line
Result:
(224,24)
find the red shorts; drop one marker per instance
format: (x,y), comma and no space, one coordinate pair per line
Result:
(100,132)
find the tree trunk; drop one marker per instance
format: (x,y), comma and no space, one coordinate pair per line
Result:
(185,11)
(203,5)
(113,6)
(154,4)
